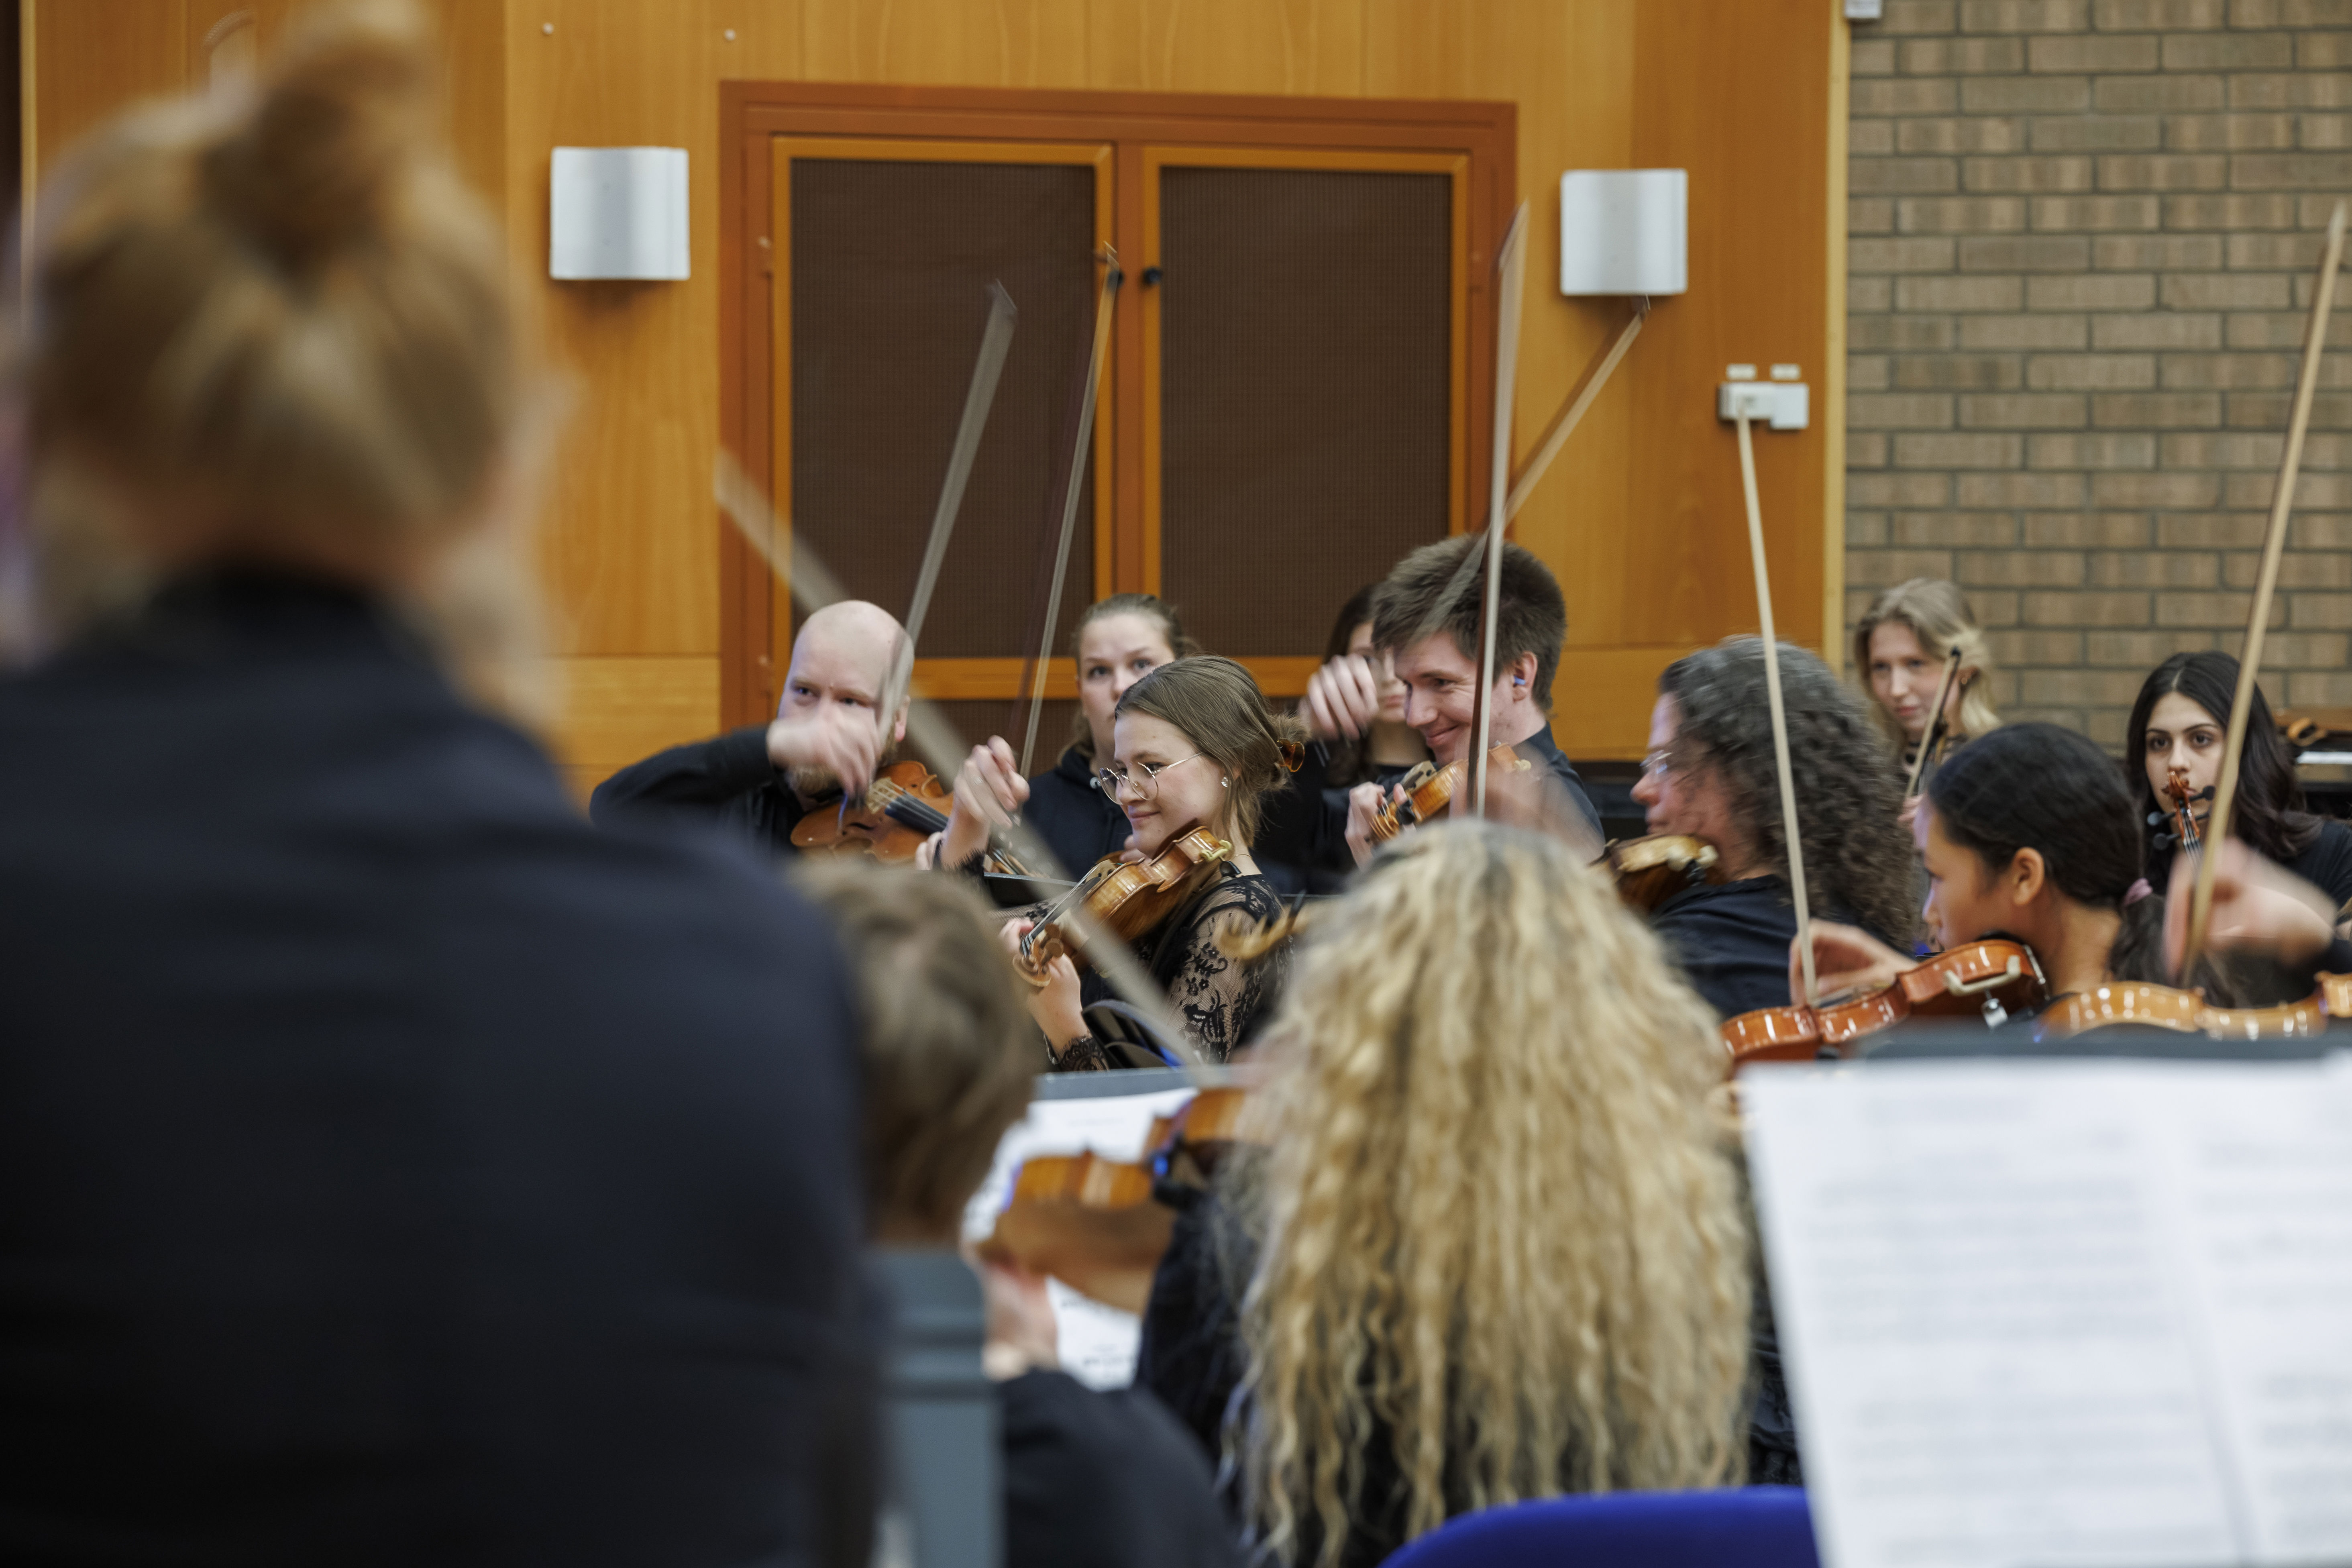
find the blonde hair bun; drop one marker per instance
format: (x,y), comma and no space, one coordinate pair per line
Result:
(334,137)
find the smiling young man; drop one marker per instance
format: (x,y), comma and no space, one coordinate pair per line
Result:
(1431,625)
(759,781)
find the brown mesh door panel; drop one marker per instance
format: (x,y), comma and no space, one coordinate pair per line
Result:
(1306,392)
(890,263)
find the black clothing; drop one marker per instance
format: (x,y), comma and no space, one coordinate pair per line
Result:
(1191,1357)
(1302,840)
(1731,940)
(1220,1000)
(394,1169)
(2325,864)
(1096,1478)
(1078,822)
(728,780)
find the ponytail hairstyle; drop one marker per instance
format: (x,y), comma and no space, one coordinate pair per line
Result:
(273,326)
(1152,609)
(2269,813)
(1939,615)
(2041,787)
(1217,703)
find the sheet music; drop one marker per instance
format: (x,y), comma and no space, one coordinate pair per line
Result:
(1095,1343)
(1992,1351)
(2262,1182)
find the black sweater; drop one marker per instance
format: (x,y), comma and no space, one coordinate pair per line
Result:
(728,780)
(1077,822)
(393,1168)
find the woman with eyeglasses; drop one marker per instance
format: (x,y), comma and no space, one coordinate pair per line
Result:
(1711,775)
(1118,641)
(1192,745)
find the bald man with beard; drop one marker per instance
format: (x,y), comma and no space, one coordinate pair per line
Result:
(761,780)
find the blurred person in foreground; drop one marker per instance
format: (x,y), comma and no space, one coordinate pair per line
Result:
(1089,1478)
(393,1168)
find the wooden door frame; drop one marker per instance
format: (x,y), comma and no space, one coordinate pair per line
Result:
(751,112)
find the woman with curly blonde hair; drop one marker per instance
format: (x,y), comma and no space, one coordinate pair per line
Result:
(1500,1246)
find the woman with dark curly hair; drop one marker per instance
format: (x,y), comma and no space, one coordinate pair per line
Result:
(1710,774)
(2180,721)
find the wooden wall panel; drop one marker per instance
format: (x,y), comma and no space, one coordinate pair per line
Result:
(623,708)
(984,43)
(1306,48)
(630,559)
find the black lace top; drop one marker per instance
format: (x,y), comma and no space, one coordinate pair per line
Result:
(1220,999)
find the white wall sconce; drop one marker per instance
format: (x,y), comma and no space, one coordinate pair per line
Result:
(1624,231)
(617,213)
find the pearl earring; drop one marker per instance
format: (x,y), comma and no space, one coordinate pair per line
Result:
(1224,783)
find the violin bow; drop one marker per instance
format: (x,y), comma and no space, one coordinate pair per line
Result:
(813,587)
(1934,730)
(2217,826)
(1095,354)
(1513,269)
(1563,423)
(995,343)
(1779,713)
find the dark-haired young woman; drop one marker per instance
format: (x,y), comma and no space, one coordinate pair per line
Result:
(1711,776)
(2180,721)
(2031,833)
(1118,641)
(1193,745)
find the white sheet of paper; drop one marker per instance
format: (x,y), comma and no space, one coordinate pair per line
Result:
(2262,1187)
(1993,1354)
(1096,1344)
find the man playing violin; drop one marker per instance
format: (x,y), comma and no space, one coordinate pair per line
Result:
(761,780)
(1430,620)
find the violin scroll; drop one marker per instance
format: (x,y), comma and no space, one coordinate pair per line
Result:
(1648,871)
(1429,792)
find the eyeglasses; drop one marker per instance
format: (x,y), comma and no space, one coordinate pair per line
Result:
(1110,780)
(1657,764)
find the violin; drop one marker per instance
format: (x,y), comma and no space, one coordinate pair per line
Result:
(1648,871)
(1094,1224)
(1429,792)
(2133,1003)
(2151,1007)
(1124,898)
(1992,979)
(904,805)
(2183,820)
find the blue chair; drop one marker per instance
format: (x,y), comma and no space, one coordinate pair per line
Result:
(1750,1527)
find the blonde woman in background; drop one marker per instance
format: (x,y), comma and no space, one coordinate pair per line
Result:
(1900,648)
(1496,1249)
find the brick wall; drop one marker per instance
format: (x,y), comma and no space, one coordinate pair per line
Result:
(2083,240)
